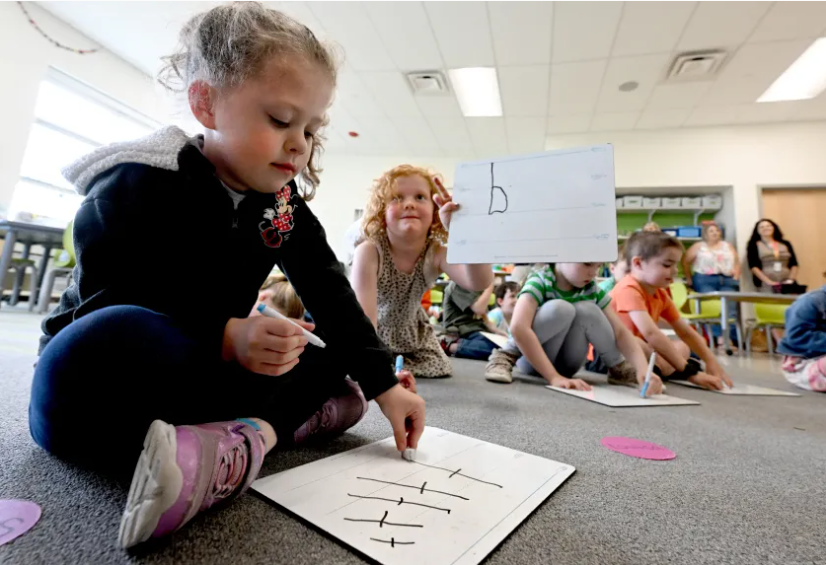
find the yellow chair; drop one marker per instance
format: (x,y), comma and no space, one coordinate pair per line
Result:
(436,296)
(679,294)
(707,315)
(768,316)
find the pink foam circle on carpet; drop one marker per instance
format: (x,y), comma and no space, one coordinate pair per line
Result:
(638,448)
(16,518)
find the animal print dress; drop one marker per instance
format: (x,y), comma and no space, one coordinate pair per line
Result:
(402,323)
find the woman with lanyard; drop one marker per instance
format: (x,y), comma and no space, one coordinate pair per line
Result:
(713,265)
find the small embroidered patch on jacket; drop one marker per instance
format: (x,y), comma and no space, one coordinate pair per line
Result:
(280,217)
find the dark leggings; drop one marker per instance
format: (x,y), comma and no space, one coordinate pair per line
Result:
(105,377)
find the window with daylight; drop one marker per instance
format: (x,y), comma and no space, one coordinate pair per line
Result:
(71,119)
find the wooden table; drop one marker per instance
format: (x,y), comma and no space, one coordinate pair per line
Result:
(729,295)
(28,234)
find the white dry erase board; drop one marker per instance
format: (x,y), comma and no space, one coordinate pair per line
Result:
(499,340)
(453,505)
(745,390)
(540,208)
(623,396)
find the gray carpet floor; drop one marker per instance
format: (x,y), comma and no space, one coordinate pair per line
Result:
(748,485)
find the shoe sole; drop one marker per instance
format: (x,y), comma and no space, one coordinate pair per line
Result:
(499,379)
(156,485)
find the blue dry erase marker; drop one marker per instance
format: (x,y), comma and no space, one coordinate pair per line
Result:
(271,313)
(648,375)
(399,364)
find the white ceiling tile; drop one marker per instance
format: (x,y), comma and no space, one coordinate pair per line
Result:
(791,20)
(348,23)
(614,121)
(334,140)
(301,12)
(658,119)
(381,132)
(462,32)
(452,134)
(353,95)
(574,123)
(651,27)
(392,92)
(584,30)
(766,112)
(342,120)
(712,116)
(525,135)
(575,86)
(521,32)
(439,106)
(488,136)
(524,90)
(647,70)
(721,24)
(752,70)
(677,95)
(406,33)
(417,134)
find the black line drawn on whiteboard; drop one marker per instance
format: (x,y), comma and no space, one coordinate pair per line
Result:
(383,522)
(399,502)
(456,472)
(498,209)
(421,489)
(393,542)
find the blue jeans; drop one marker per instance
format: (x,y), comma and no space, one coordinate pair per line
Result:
(475,346)
(106,376)
(711,283)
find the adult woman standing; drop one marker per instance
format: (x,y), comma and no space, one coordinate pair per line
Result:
(771,258)
(713,265)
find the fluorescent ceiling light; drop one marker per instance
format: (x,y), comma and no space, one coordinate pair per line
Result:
(477,89)
(804,79)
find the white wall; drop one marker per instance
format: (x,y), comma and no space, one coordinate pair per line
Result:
(27,55)
(743,157)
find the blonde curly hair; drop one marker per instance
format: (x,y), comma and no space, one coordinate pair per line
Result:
(231,43)
(374,222)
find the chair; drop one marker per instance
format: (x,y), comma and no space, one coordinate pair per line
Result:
(63,263)
(679,294)
(768,316)
(436,296)
(709,315)
(18,267)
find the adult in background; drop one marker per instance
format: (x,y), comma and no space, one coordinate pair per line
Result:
(713,265)
(771,258)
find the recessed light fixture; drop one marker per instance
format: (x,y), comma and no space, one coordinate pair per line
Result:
(477,89)
(804,79)
(629,86)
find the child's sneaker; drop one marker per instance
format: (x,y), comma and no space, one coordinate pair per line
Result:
(337,415)
(623,374)
(184,470)
(500,366)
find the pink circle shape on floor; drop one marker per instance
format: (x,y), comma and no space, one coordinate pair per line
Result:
(16,518)
(638,448)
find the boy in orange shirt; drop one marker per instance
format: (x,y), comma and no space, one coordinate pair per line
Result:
(640,300)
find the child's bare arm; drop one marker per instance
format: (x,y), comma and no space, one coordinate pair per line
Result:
(471,277)
(657,339)
(365,279)
(627,344)
(698,345)
(480,306)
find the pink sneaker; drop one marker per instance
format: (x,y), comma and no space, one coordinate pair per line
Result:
(337,415)
(184,470)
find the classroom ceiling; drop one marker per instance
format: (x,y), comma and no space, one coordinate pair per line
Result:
(559,65)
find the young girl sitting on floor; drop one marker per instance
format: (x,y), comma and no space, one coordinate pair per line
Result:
(558,313)
(127,352)
(399,259)
(804,344)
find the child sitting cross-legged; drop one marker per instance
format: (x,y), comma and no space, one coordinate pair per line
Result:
(804,344)
(640,300)
(464,320)
(501,316)
(558,313)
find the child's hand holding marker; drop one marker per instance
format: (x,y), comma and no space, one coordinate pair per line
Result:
(264,345)
(405,411)
(406,378)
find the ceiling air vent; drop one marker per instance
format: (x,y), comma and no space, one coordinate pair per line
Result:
(427,83)
(696,66)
